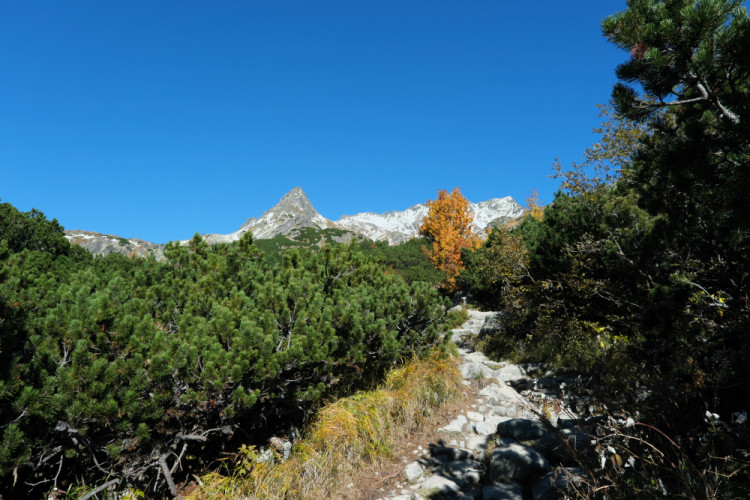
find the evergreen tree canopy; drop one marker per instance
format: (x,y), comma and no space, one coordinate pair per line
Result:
(692,59)
(683,52)
(31,230)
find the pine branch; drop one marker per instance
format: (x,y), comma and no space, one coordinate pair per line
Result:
(704,89)
(673,103)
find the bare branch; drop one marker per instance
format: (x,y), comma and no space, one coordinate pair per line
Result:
(168,476)
(93,456)
(20,416)
(192,437)
(675,103)
(59,468)
(179,458)
(714,302)
(99,488)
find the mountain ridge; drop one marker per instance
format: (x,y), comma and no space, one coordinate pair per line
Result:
(295,211)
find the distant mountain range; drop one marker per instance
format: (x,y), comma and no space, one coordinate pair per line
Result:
(295,212)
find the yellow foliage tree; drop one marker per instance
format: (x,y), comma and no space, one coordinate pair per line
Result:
(448,225)
(534,208)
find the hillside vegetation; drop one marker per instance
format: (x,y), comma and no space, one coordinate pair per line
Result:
(638,273)
(136,372)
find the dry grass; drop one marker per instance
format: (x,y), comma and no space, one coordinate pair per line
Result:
(347,435)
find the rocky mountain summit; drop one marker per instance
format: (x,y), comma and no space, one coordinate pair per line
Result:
(295,212)
(105,244)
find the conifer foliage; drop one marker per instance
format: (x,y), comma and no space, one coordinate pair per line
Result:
(638,272)
(121,370)
(448,225)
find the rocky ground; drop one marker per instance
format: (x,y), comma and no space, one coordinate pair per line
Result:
(498,446)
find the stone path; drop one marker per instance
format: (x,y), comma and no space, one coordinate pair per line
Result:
(497,448)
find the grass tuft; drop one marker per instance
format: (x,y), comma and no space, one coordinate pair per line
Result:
(346,435)
(458,317)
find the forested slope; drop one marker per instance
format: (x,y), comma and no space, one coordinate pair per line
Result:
(116,369)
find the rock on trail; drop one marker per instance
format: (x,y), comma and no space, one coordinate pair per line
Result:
(497,448)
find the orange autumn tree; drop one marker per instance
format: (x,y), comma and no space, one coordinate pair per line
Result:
(448,225)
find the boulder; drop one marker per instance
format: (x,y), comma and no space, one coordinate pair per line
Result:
(282,446)
(500,392)
(475,416)
(460,333)
(501,441)
(451,453)
(553,446)
(456,425)
(517,462)
(413,471)
(484,428)
(474,370)
(469,471)
(478,444)
(479,357)
(521,429)
(510,372)
(438,484)
(491,324)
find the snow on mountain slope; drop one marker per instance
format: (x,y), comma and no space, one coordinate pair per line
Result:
(397,227)
(294,211)
(495,212)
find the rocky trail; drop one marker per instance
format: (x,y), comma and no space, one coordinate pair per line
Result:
(496,447)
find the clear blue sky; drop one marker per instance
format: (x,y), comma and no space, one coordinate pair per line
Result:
(159,119)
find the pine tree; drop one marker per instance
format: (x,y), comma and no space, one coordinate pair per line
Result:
(684,53)
(693,61)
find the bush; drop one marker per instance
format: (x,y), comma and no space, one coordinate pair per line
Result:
(31,230)
(495,269)
(116,365)
(406,259)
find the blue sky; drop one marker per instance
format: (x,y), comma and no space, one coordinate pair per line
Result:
(161,119)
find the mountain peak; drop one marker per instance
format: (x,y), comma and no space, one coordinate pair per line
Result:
(293,211)
(294,200)
(295,191)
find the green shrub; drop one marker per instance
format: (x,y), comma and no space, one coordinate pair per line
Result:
(116,361)
(406,259)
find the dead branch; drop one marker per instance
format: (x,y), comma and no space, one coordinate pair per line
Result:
(168,476)
(99,488)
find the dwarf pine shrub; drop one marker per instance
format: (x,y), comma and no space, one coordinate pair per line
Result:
(113,367)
